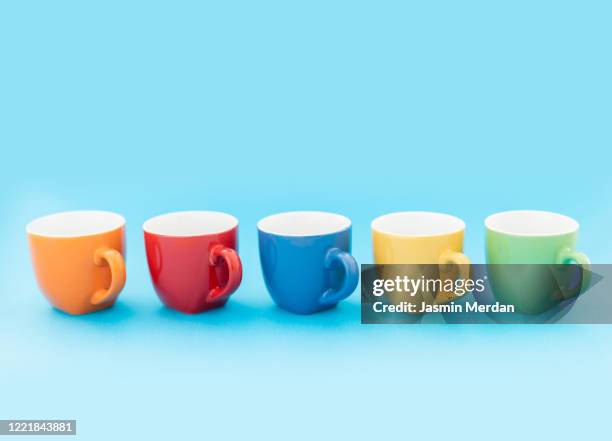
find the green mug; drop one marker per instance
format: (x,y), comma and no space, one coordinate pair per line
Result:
(528,253)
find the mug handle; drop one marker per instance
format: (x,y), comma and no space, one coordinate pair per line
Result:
(116,263)
(453,258)
(351,276)
(567,255)
(220,253)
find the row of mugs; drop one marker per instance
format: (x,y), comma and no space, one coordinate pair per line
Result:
(78,256)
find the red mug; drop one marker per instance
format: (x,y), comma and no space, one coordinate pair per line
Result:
(193,259)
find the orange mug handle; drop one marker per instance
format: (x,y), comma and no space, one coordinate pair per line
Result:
(117,267)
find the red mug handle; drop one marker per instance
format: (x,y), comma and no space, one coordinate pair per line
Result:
(218,254)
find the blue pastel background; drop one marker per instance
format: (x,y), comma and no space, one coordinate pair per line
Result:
(257,107)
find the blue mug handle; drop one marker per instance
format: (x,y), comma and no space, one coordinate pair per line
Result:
(351,276)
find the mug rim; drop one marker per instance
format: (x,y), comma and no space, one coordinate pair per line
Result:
(458,227)
(571,225)
(115,220)
(232,220)
(345,223)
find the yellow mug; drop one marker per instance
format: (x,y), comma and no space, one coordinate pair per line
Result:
(78,259)
(421,238)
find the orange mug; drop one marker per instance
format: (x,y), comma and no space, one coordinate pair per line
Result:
(78,259)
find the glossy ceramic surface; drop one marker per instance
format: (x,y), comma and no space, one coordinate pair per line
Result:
(538,238)
(78,259)
(415,237)
(309,268)
(197,267)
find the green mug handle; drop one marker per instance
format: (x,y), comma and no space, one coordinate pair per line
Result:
(568,255)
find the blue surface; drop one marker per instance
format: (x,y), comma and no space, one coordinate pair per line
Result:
(258,107)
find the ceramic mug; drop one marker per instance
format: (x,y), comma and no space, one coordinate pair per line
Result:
(422,242)
(306,261)
(527,252)
(193,258)
(78,259)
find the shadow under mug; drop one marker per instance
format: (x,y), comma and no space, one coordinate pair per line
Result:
(78,259)
(528,253)
(193,259)
(306,261)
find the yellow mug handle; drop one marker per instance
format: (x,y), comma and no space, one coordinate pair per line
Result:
(117,267)
(453,258)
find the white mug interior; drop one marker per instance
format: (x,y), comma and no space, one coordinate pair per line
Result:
(531,223)
(417,224)
(190,223)
(304,223)
(75,223)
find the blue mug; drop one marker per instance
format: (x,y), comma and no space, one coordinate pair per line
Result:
(305,260)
